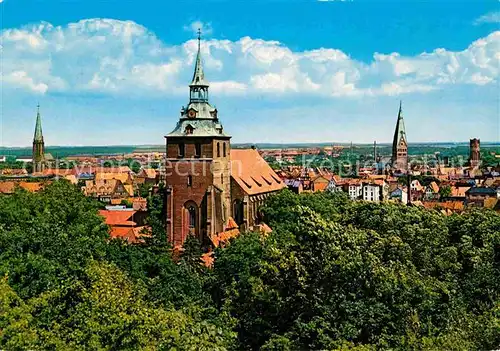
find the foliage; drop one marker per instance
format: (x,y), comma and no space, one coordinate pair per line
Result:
(337,274)
(126,203)
(156,217)
(445,191)
(11,163)
(333,274)
(489,159)
(143,190)
(65,285)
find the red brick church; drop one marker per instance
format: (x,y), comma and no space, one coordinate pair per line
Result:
(207,182)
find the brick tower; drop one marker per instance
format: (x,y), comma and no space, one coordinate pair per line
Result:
(475,153)
(198,184)
(38,151)
(400,145)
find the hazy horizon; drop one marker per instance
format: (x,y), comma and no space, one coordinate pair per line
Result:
(108,76)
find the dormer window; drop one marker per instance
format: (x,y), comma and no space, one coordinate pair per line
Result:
(189,129)
(218,128)
(213,113)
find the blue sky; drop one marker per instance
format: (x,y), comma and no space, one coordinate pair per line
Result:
(116,72)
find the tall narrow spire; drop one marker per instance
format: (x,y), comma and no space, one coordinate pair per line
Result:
(38,152)
(198,75)
(400,131)
(38,127)
(399,143)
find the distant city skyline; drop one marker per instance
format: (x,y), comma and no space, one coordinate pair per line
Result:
(299,72)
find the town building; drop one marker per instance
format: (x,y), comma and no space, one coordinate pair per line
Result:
(477,196)
(252,181)
(475,153)
(201,192)
(354,189)
(399,194)
(431,192)
(372,192)
(400,145)
(108,190)
(125,224)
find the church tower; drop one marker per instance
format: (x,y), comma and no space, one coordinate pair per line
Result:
(400,144)
(475,153)
(198,184)
(38,153)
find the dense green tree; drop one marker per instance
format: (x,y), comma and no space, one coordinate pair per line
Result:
(336,272)
(68,286)
(445,191)
(333,274)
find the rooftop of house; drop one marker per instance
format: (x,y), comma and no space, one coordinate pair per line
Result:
(459,190)
(448,205)
(119,169)
(252,172)
(433,185)
(119,218)
(148,173)
(481,191)
(10,186)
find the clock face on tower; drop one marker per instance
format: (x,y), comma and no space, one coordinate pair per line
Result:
(191,113)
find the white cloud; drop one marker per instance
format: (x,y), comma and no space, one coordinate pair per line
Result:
(121,57)
(206,28)
(492,17)
(229,86)
(22,79)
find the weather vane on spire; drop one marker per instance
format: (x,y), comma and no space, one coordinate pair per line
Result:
(199,34)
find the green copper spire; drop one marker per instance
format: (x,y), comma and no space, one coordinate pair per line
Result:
(198,76)
(400,144)
(38,127)
(400,131)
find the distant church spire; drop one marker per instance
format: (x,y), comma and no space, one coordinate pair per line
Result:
(38,152)
(38,127)
(399,143)
(400,126)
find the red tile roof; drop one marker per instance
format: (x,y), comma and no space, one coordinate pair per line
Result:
(434,187)
(120,169)
(121,218)
(7,187)
(448,205)
(125,233)
(10,186)
(252,173)
(459,191)
(31,186)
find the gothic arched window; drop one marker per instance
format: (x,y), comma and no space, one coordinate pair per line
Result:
(238,211)
(218,149)
(197,150)
(192,216)
(224,149)
(182,150)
